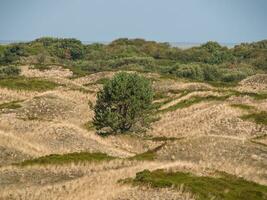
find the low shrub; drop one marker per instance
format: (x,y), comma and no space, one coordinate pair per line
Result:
(7,71)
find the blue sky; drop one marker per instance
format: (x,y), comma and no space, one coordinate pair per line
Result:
(225,21)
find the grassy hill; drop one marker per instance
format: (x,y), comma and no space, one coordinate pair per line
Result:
(207,139)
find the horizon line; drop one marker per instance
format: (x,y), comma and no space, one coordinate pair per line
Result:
(107,42)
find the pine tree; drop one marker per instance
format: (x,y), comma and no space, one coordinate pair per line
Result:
(123,102)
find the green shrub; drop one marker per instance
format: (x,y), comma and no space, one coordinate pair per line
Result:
(211,73)
(123,101)
(233,76)
(200,63)
(143,61)
(12,53)
(192,71)
(9,71)
(261,63)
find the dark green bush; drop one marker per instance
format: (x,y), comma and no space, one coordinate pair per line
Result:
(211,73)
(9,71)
(192,71)
(208,62)
(123,102)
(233,76)
(127,61)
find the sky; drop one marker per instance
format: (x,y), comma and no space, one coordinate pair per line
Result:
(197,21)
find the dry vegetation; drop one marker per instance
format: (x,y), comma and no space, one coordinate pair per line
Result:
(200,129)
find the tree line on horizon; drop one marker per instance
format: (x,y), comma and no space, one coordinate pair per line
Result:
(208,62)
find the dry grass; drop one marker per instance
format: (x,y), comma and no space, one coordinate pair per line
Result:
(53,122)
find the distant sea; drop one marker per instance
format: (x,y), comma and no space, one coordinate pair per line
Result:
(186,45)
(182,45)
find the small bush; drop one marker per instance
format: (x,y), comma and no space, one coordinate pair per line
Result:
(123,102)
(233,76)
(9,71)
(189,71)
(211,73)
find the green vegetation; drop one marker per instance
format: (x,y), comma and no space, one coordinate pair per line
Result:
(193,100)
(159,95)
(9,71)
(243,106)
(23,83)
(102,81)
(149,155)
(208,62)
(56,159)
(124,101)
(256,96)
(10,105)
(225,186)
(259,118)
(209,73)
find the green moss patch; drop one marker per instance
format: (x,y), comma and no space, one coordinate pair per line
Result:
(23,83)
(10,105)
(256,96)
(259,118)
(56,159)
(223,187)
(102,81)
(243,106)
(193,100)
